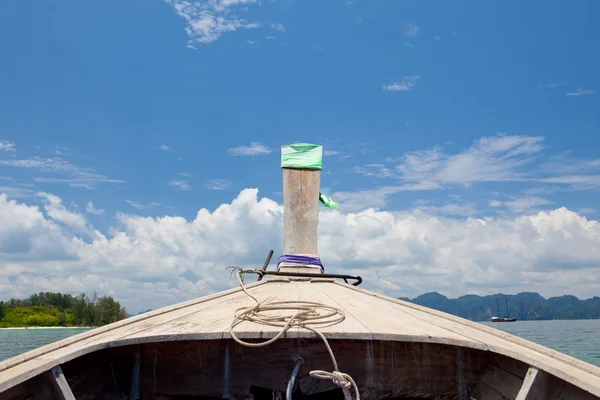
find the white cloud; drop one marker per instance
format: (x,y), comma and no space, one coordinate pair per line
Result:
(250,41)
(270,37)
(489,159)
(218,184)
(59,213)
(208,20)
(254,149)
(376,170)
(181,184)
(330,152)
(580,92)
(68,173)
(412,46)
(522,204)
(457,209)
(92,210)
(16,192)
(164,147)
(277,27)
(500,158)
(409,83)
(150,262)
(410,30)
(5,145)
(575,174)
(495,203)
(526,204)
(187,174)
(140,206)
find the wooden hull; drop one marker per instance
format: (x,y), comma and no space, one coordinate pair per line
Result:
(393,350)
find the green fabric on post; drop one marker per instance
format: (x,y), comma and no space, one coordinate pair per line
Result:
(327,201)
(302,155)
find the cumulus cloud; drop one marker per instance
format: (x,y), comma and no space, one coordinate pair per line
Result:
(59,213)
(93,210)
(5,145)
(149,262)
(254,149)
(207,20)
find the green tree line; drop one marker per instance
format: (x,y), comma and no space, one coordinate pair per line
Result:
(58,309)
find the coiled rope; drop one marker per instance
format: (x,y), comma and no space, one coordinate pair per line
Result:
(305,314)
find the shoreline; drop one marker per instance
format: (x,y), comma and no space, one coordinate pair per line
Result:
(48,327)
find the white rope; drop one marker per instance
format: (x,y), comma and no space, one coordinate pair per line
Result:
(306,314)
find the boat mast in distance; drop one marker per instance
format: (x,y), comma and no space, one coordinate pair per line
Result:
(502,319)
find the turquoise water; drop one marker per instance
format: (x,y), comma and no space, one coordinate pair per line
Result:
(577,338)
(580,339)
(17,341)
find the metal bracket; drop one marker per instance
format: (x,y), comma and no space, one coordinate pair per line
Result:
(357,278)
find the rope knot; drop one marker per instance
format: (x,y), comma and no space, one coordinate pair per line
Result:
(340,379)
(301,314)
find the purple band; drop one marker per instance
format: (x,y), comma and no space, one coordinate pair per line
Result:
(290,258)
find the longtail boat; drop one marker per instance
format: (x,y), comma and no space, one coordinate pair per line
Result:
(297,333)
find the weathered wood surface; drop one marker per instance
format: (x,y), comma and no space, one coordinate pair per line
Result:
(59,383)
(301,211)
(369,316)
(225,369)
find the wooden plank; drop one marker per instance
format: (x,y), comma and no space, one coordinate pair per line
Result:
(504,383)
(351,327)
(392,322)
(570,392)
(213,322)
(545,387)
(300,211)
(576,372)
(96,333)
(515,367)
(61,387)
(15,392)
(216,367)
(484,392)
(530,377)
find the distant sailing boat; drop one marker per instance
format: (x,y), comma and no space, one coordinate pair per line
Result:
(503,319)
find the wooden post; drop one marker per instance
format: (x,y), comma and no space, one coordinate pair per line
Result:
(60,385)
(527,383)
(300,211)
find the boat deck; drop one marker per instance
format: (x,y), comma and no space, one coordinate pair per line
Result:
(369,316)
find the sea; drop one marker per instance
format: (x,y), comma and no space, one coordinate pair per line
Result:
(577,338)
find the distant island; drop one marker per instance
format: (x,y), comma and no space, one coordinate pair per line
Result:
(526,306)
(49,309)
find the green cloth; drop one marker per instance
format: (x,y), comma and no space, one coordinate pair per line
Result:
(305,156)
(302,155)
(327,201)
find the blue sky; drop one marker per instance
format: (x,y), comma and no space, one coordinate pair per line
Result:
(455,110)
